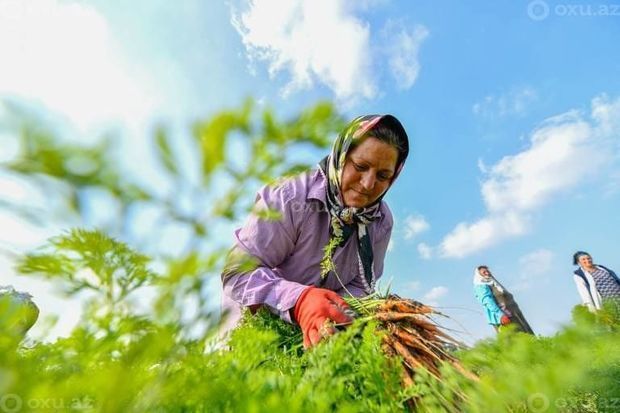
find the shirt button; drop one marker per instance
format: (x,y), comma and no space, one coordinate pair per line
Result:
(279,306)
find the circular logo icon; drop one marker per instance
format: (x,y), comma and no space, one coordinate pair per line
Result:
(538,402)
(10,403)
(538,10)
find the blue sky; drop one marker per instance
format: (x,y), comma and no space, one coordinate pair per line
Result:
(512,108)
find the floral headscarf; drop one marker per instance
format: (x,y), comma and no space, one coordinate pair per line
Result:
(346,220)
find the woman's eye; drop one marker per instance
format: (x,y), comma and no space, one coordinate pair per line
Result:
(383,177)
(358,167)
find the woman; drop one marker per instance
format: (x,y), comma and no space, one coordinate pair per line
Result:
(500,306)
(595,283)
(284,264)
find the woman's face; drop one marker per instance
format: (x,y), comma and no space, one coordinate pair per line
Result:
(585,261)
(368,172)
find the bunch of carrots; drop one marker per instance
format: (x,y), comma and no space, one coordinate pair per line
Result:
(411,333)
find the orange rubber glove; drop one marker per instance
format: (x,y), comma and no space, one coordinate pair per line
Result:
(505,320)
(316,306)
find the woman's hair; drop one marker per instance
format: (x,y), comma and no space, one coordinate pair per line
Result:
(481,267)
(577,255)
(386,134)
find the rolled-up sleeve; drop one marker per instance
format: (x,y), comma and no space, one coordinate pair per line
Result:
(267,242)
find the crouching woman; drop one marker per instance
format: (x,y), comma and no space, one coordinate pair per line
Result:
(340,205)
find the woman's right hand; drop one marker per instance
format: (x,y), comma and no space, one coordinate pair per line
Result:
(315,309)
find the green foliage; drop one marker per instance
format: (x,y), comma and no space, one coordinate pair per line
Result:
(164,150)
(266,142)
(212,135)
(265,369)
(327,262)
(110,265)
(577,370)
(118,361)
(17,314)
(147,367)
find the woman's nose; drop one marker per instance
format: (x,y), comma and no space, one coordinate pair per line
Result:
(368,181)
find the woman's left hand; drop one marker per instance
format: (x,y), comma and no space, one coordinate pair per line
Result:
(505,320)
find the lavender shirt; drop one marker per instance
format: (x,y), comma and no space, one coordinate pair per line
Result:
(290,249)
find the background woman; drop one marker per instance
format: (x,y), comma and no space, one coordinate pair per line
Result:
(284,265)
(500,307)
(595,283)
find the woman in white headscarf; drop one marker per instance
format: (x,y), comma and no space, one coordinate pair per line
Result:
(499,304)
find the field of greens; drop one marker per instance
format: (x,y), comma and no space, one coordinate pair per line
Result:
(122,357)
(119,363)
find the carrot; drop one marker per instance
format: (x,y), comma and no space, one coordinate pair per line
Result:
(405,306)
(411,360)
(402,351)
(413,342)
(392,316)
(406,378)
(388,350)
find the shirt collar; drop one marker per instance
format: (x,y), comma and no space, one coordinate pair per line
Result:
(318,187)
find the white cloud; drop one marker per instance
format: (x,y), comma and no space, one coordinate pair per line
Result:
(425,251)
(403,52)
(514,102)
(313,40)
(553,163)
(434,294)
(559,157)
(324,42)
(62,54)
(533,267)
(367,5)
(415,225)
(467,238)
(390,246)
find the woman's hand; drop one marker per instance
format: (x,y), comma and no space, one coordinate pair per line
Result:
(315,311)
